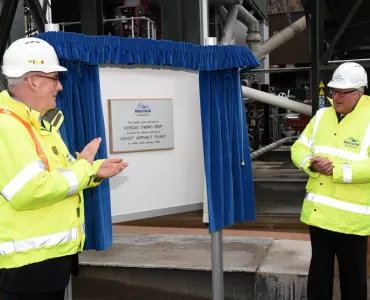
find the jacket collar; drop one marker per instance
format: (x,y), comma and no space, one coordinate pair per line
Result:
(51,122)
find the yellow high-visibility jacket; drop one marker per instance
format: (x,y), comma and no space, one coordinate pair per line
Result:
(41,183)
(341,202)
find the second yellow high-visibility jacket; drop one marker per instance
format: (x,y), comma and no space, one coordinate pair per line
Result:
(341,202)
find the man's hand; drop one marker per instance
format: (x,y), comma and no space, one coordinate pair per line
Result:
(322,165)
(111,167)
(90,150)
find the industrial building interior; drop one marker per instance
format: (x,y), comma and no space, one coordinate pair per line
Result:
(299,44)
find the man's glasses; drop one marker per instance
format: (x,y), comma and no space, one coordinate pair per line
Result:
(341,94)
(55,78)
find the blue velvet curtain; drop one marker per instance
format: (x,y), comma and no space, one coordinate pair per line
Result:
(80,102)
(96,50)
(226,149)
(229,185)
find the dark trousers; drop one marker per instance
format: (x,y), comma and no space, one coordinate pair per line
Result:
(50,296)
(351,251)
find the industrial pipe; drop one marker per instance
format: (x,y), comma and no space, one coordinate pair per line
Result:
(281,37)
(225,2)
(272,146)
(278,101)
(253,37)
(229,27)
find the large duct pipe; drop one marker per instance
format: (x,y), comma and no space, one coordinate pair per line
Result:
(253,37)
(229,27)
(277,101)
(225,2)
(281,37)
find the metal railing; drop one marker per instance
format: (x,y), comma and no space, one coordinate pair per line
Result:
(151,27)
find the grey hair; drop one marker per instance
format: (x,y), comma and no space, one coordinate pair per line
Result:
(13,81)
(361,89)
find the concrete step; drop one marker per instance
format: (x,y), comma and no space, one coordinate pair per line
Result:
(278,185)
(179,267)
(280,154)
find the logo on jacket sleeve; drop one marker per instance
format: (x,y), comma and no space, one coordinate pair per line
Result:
(351,142)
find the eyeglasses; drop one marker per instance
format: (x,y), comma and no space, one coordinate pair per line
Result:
(341,94)
(55,78)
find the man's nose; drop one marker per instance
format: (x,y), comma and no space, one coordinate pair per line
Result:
(59,86)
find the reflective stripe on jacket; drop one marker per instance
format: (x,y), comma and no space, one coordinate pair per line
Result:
(340,202)
(41,184)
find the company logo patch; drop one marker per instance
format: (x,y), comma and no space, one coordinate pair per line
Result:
(352,142)
(338,77)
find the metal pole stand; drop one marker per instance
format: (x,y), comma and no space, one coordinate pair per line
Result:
(217,266)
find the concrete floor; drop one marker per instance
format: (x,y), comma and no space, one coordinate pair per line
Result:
(174,266)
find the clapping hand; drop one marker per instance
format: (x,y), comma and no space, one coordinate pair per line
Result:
(111,167)
(90,150)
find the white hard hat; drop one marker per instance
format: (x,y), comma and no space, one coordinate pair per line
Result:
(349,75)
(30,55)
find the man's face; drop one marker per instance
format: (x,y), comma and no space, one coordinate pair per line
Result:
(48,86)
(345,100)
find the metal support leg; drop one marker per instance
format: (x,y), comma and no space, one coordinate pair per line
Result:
(38,14)
(217,266)
(92,17)
(204,18)
(6,21)
(317,47)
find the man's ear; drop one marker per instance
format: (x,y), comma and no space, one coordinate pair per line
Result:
(31,83)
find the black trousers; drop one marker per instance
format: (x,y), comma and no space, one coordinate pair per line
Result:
(351,251)
(49,296)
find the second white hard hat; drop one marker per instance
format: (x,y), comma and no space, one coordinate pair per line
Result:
(349,75)
(30,55)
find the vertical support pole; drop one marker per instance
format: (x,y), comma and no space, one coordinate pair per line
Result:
(204,19)
(217,266)
(216,237)
(317,50)
(266,118)
(148,29)
(92,17)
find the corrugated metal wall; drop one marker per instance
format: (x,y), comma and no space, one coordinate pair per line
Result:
(297,50)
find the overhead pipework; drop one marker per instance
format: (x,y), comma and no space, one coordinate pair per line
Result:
(278,101)
(281,38)
(244,16)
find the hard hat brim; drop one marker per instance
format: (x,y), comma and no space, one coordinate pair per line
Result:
(336,85)
(341,86)
(16,72)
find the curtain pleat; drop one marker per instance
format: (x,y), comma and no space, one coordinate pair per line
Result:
(228,166)
(81,104)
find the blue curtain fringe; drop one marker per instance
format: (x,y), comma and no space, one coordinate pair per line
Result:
(97,50)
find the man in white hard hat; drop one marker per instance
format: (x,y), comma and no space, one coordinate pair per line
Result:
(41,183)
(334,151)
